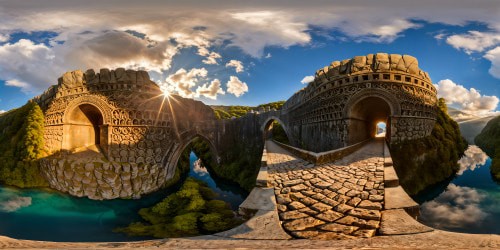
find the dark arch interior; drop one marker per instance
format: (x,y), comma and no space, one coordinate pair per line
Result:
(365,115)
(275,131)
(85,125)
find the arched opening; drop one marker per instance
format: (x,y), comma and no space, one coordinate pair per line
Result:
(380,129)
(84,128)
(198,160)
(274,130)
(365,116)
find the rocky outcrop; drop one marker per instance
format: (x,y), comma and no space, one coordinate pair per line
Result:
(101,180)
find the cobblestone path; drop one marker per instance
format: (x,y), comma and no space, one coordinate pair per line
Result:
(339,200)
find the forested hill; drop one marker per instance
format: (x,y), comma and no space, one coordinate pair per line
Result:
(227,112)
(21,145)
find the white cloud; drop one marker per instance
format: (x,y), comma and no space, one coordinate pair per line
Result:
(474,41)
(238,65)
(268,28)
(473,158)
(307,79)
(468,100)
(456,207)
(494,57)
(182,81)
(88,39)
(4,38)
(210,90)
(236,87)
(2,111)
(268,55)
(212,58)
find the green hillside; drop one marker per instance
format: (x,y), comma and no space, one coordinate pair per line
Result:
(21,145)
(227,112)
(489,141)
(423,162)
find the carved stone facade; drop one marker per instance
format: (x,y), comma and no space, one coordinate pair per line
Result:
(138,134)
(126,118)
(346,99)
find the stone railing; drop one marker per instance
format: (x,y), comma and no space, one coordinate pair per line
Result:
(323,157)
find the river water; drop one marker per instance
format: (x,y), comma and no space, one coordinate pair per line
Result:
(38,214)
(469,202)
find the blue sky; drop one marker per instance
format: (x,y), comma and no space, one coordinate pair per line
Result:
(236,53)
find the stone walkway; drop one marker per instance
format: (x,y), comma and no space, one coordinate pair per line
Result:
(334,201)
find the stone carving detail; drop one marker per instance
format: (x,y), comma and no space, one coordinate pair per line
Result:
(126,116)
(318,116)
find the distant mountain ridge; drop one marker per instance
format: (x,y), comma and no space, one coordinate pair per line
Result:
(470,125)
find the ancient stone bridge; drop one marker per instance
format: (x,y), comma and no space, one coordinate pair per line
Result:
(114,134)
(347,99)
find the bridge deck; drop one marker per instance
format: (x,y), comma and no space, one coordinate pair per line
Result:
(339,200)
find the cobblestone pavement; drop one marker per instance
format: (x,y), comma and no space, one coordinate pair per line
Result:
(339,200)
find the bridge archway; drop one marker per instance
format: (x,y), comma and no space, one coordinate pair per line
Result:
(268,125)
(365,110)
(84,125)
(173,155)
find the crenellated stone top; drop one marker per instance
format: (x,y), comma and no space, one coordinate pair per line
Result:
(379,62)
(77,78)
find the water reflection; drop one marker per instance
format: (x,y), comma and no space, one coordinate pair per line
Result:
(473,158)
(457,207)
(199,169)
(468,202)
(10,201)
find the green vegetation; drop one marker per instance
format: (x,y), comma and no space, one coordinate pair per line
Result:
(423,162)
(193,210)
(21,146)
(278,133)
(489,141)
(237,166)
(227,112)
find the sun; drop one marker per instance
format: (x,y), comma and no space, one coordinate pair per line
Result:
(165,91)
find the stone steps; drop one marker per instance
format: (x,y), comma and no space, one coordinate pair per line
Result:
(397,198)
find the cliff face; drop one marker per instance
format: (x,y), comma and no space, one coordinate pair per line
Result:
(423,162)
(489,141)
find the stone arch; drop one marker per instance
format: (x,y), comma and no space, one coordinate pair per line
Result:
(100,104)
(365,109)
(269,120)
(85,122)
(173,154)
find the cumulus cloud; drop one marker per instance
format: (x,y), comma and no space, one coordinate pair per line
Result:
(210,90)
(474,41)
(13,203)
(468,100)
(494,57)
(212,58)
(182,81)
(236,87)
(238,65)
(307,79)
(120,35)
(4,38)
(473,158)
(456,207)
